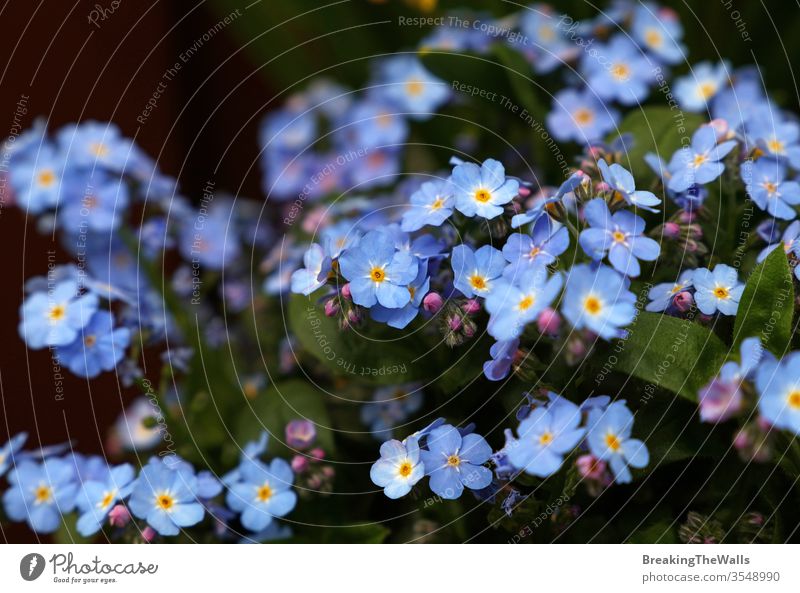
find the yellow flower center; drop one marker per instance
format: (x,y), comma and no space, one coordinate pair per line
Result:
(108,498)
(592,305)
(534,252)
(483,195)
(699,159)
(618,236)
(776,146)
(46,178)
(721,292)
(57,312)
(707,89)
(771,188)
(414,87)
(264,493)
(454,461)
(621,72)
(613,442)
(384,119)
(477,282)
(405,469)
(653,37)
(98,149)
(546,438)
(438,204)
(165,501)
(526,303)
(377,274)
(43,494)
(583,116)
(90,341)
(794,399)
(412,291)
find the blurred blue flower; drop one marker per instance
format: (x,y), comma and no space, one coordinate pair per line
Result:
(96,499)
(599,299)
(166,498)
(765,181)
(55,318)
(580,116)
(698,163)
(40,493)
(98,347)
(431,204)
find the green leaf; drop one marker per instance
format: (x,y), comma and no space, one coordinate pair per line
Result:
(659,129)
(280,403)
(668,353)
(68,532)
(767,305)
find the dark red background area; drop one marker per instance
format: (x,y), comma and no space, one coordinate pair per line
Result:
(72,70)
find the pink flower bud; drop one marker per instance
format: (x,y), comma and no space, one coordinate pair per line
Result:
(524,191)
(346,291)
(721,128)
(672,230)
(317,453)
(591,467)
(299,464)
(471,307)
(331,308)
(148,534)
(454,323)
(683,301)
(119,516)
(353,317)
(549,322)
(432,302)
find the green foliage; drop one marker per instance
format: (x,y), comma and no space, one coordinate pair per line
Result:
(767,305)
(669,353)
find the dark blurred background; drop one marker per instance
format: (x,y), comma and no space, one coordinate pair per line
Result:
(103,59)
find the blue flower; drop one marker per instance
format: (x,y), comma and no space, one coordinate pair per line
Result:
(40,493)
(38,179)
(264,492)
(9,453)
(55,318)
(475,272)
(166,498)
(401,317)
(689,199)
(482,190)
(98,347)
(580,116)
(502,353)
(545,38)
(719,290)
(288,131)
(315,274)
(96,498)
(535,213)
(597,298)
(96,203)
(765,181)
(431,204)
(698,163)
(453,461)
(545,437)
(790,241)
(661,295)
(210,238)
(375,124)
(778,384)
(91,145)
(389,407)
(409,86)
(697,88)
(546,242)
(774,135)
(659,31)
(620,235)
(377,272)
(516,302)
(399,467)
(609,439)
(621,182)
(622,74)
(741,102)
(338,237)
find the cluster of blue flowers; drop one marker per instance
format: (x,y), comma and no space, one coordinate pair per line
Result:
(167,495)
(549,432)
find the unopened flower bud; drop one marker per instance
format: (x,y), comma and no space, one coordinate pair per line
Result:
(471,307)
(432,302)
(119,516)
(683,301)
(454,323)
(591,467)
(672,230)
(317,453)
(299,464)
(346,291)
(331,307)
(148,534)
(549,322)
